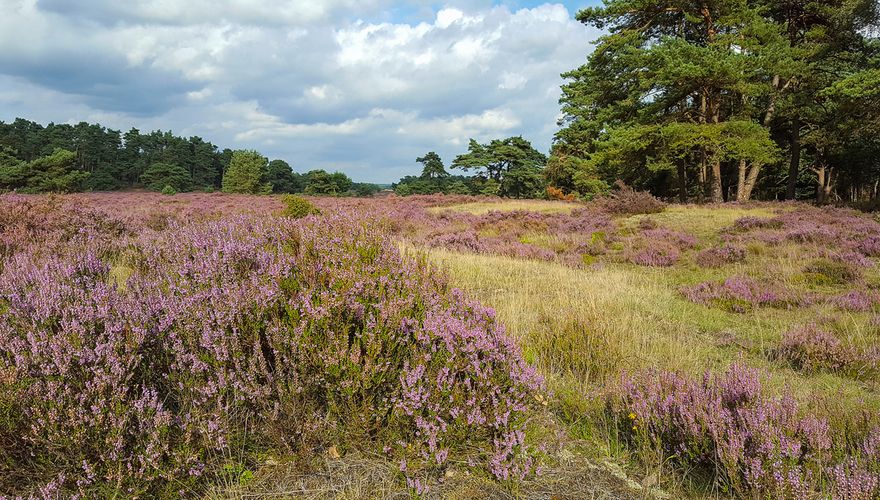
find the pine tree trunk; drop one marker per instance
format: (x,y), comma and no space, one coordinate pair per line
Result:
(741,181)
(682,183)
(716,195)
(748,179)
(824,184)
(794,165)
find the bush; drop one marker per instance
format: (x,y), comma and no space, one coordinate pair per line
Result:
(627,201)
(830,272)
(718,256)
(243,336)
(169,191)
(728,429)
(298,207)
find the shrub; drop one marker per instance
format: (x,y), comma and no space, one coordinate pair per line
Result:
(240,336)
(169,191)
(826,271)
(627,201)
(718,256)
(810,348)
(655,254)
(727,428)
(740,295)
(298,207)
(554,193)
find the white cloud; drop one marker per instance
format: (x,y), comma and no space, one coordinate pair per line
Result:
(330,84)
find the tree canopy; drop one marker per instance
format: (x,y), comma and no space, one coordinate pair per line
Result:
(720,99)
(512,164)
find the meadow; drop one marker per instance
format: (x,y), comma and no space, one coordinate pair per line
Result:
(445,346)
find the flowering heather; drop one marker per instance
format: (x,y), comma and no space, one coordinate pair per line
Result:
(656,254)
(811,348)
(242,332)
(718,256)
(855,301)
(739,294)
(728,428)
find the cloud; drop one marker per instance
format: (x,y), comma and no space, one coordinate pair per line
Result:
(354,85)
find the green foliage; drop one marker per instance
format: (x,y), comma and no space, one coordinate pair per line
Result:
(363,189)
(512,163)
(115,160)
(490,187)
(681,98)
(829,272)
(283,179)
(432,166)
(323,183)
(169,190)
(245,174)
(298,207)
(53,173)
(162,175)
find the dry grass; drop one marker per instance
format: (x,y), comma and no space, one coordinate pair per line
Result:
(482,207)
(356,477)
(701,221)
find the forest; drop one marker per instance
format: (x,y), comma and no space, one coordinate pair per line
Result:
(90,157)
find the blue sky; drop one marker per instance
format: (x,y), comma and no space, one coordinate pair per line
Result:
(361,86)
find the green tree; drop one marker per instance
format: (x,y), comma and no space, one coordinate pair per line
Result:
(245,173)
(160,175)
(702,89)
(432,166)
(283,178)
(52,173)
(322,183)
(512,164)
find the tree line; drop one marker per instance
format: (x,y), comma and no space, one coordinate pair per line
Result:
(508,167)
(90,157)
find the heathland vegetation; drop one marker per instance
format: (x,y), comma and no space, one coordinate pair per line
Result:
(240,345)
(289,336)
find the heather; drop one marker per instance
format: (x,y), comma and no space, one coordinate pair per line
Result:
(728,428)
(242,332)
(742,338)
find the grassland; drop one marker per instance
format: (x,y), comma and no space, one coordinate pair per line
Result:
(584,327)
(483,207)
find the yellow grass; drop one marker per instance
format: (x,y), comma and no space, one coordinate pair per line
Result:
(583,327)
(697,220)
(482,207)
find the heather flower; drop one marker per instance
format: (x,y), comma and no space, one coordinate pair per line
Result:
(718,256)
(243,331)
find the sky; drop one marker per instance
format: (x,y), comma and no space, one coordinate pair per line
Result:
(359,86)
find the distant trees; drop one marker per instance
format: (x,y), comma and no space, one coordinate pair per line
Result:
(51,173)
(511,164)
(102,159)
(246,173)
(720,100)
(504,167)
(283,179)
(161,175)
